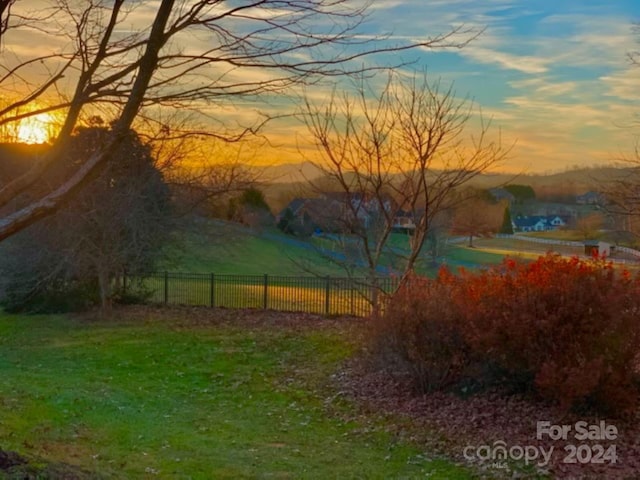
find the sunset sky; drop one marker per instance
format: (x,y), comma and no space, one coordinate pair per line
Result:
(554,75)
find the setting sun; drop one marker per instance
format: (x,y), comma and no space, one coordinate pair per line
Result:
(35,129)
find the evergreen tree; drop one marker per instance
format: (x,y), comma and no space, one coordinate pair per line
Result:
(507,227)
(286,222)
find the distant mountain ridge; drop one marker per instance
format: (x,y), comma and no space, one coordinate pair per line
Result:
(586,177)
(289,172)
(281,183)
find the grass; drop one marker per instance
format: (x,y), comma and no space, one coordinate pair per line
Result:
(224,248)
(564,234)
(460,255)
(143,397)
(282,293)
(523,248)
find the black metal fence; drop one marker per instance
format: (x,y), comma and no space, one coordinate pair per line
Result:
(323,295)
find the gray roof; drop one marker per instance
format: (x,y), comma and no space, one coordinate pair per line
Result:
(532,220)
(294,205)
(501,194)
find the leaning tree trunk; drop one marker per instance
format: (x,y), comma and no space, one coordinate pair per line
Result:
(104,285)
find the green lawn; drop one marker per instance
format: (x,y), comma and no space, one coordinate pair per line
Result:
(515,247)
(461,255)
(568,235)
(223,248)
(175,398)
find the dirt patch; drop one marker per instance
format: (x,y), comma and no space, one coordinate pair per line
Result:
(15,466)
(10,459)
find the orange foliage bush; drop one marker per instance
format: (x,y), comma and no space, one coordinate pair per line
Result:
(418,334)
(567,329)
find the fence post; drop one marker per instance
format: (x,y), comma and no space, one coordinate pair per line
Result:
(166,287)
(266,288)
(327,289)
(351,292)
(212,291)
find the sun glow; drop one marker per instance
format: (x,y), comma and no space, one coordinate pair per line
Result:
(35,129)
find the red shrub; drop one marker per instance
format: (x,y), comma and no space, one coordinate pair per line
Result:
(566,328)
(418,335)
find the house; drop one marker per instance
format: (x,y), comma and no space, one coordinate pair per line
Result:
(404,221)
(534,223)
(357,209)
(557,221)
(303,216)
(335,212)
(501,194)
(294,206)
(590,198)
(538,223)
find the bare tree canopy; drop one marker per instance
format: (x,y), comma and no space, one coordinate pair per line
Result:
(476,217)
(129,59)
(404,153)
(620,197)
(621,201)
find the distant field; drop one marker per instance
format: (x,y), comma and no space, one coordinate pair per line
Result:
(230,249)
(620,238)
(224,248)
(568,235)
(465,256)
(510,246)
(219,247)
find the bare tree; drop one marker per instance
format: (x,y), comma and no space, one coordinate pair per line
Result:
(437,238)
(5,11)
(589,225)
(476,217)
(409,149)
(622,196)
(124,60)
(80,253)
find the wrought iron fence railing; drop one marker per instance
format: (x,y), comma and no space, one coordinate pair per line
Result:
(323,295)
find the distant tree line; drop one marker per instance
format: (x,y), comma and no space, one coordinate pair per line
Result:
(250,208)
(521,193)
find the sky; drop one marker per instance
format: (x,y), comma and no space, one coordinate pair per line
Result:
(554,75)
